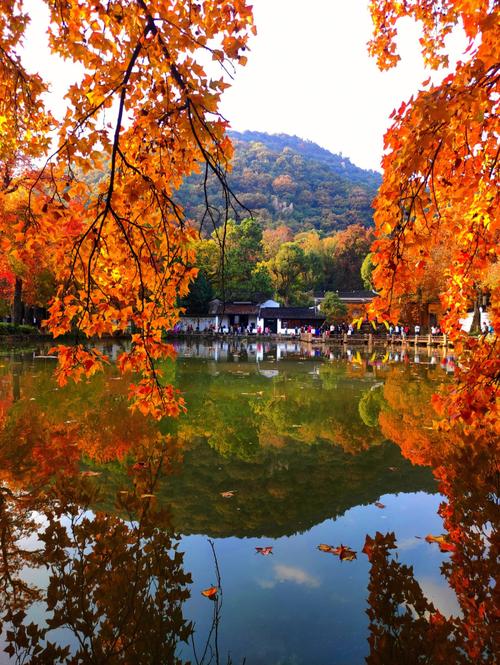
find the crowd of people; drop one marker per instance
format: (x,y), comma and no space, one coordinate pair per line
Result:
(395,331)
(332,330)
(404,330)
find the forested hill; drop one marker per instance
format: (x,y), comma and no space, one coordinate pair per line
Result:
(285,179)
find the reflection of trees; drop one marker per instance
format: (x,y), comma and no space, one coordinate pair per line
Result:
(51,431)
(243,412)
(292,433)
(257,447)
(468,474)
(407,415)
(405,628)
(308,412)
(116,586)
(370,404)
(33,448)
(238,413)
(16,525)
(282,490)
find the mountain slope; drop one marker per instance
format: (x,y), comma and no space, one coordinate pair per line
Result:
(285,179)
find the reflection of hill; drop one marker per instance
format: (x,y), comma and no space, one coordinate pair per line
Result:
(239,411)
(293,447)
(283,491)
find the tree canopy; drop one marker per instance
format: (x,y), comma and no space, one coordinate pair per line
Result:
(119,252)
(440,196)
(146,113)
(332,307)
(252,264)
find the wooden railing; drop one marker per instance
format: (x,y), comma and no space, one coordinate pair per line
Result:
(370,339)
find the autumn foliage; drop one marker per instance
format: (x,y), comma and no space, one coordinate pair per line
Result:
(146,113)
(440,194)
(440,198)
(466,469)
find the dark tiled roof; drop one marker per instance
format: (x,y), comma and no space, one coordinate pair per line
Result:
(234,308)
(285,313)
(357,295)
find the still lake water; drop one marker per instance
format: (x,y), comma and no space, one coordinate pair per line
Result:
(282,446)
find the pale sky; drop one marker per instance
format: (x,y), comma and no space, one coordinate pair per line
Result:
(308,74)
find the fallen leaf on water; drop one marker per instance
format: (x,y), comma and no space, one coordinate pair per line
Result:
(346,554)
(379,505)
(342,551)
(265,551)
(90,474)
(228,494)
(147,496)
(442,541)
(393,468)
(211,592)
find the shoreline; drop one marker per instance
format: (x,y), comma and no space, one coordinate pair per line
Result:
(364,339)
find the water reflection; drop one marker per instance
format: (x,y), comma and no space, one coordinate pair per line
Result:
(114,589)
(402,620)
(278,445)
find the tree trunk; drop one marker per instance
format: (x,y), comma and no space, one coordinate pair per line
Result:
(17,305)
(476,317)
(16,386)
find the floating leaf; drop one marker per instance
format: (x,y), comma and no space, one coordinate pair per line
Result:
(346,554)
(211,592)
(89,474)
(379,505)
(442,541)
(228,494)
(265,551)
(342,551)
